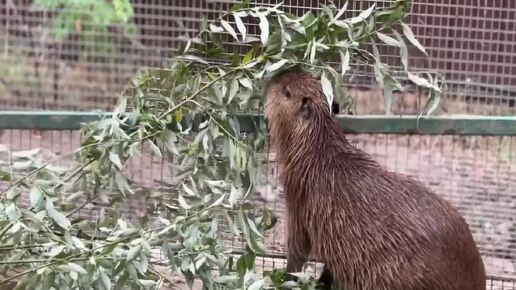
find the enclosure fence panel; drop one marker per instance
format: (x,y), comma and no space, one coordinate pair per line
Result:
(469,160)
(75,63)
(67,59)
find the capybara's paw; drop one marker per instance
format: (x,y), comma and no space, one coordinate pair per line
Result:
(324,285)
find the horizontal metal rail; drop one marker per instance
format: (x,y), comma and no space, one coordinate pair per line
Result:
(366,124)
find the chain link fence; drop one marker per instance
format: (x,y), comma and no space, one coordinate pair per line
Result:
(64,55)
(477,174)
(81,57)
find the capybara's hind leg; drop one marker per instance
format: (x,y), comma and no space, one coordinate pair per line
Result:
(295,262)
(298,248)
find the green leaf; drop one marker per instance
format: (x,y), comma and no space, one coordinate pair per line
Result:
(388,89)
(49,280)
(277,65)
(155,149)
(182,202)
(246,83)
(248,56)
(327,11)
(403,50)
(179,115)
(342,24)
(121,182)
(133,253)
(257,285)
(73,267)
(22,165)
(240,24)
(388,40)
(410,36)
(215,183)
(147,283)
(313,51)
(58,217)
(235,195)
(55,250)
(115,159)
(5,176)
(225,279)
(242,223)
(264,28)
(253,227)
(422,82)
(254,244)
(233,90)
(200,262)
(193,58)
(35,196)
(363,15)
(188,190)
(340,13)
(218,201)
(433,101)
(245,262)
(25,153)
(289,284)
(229,29)
(344,60)
(216,29)
(104,278)
(327,88)
(121,108)
(73,275)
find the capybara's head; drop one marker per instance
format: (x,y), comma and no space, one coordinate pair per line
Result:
(295,104)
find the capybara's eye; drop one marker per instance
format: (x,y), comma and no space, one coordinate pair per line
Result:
(287,94)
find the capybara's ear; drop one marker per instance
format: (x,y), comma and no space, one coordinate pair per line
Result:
(287,93)
(307,108)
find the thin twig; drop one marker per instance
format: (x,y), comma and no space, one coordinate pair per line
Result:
(75,172)
(38,268)
(15,247)
(188,99)
(161,275)
(85,203)
(10,156)
(39,261)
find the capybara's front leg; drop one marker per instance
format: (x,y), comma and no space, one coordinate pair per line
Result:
(298,248)
(326,278)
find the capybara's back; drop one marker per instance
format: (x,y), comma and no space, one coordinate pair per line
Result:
(374,229)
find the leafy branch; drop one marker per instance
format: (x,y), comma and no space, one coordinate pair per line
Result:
(187,111)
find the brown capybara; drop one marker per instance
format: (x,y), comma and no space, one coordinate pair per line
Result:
(372,228)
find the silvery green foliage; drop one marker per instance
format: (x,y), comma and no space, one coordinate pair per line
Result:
(186,111)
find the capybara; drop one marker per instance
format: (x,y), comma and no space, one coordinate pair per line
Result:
(373,229)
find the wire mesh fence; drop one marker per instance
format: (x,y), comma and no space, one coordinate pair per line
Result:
(476,173)
(73,57)
(79,58)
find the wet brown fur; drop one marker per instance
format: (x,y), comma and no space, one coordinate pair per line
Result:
(374,229)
